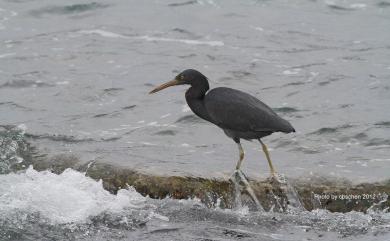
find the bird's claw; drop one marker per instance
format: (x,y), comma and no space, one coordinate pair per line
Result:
(278,178)
(239,178)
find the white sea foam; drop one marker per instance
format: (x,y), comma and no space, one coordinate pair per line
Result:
(6,55)
(103,33)
(148,38)
(153,123)
(185,41)
(340,166)
(70,197)
(292,71)
(358,5)
(62,83)
(165,116)
(380,160)
(22,128)
(258,28)
(148,143)
(185,108)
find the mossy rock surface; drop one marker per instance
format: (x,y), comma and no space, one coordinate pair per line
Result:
(319,193)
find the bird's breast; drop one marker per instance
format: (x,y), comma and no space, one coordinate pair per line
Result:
(197,106)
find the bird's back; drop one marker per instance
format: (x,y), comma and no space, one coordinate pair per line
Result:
(236,110)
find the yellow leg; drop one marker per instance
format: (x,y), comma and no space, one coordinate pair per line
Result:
(241,156)
(265,149)
(238,178)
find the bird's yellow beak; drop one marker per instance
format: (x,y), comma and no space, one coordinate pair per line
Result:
(165,85)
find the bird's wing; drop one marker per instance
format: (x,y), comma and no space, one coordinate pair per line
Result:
(237,110)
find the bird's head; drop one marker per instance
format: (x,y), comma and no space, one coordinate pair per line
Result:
(187,77)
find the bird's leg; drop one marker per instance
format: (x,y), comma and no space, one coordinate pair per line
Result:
(291,195)
(265,149)
(241,157)
(239,177)
(237,174)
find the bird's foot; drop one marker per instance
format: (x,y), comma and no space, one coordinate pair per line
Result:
(239,179)
(279,182)
(277,178)
(238,176)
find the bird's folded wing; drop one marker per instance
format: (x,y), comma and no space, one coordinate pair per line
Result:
(236,110)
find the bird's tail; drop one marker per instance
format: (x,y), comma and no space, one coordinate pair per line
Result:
(287,127)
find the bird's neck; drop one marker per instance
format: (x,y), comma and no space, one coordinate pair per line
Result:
(198,89)
(195,100)
(196,92)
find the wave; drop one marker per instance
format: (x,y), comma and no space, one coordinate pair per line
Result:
(285,109)
(330,130)
(65,198)
(148,38)
(59,137)
(383,124)
(183,3)
(40,205)
(13,148)
(68,9)
(23,83)
(192,119)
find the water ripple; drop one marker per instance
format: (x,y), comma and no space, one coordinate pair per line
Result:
(191,2)
(69,9)
(330,130)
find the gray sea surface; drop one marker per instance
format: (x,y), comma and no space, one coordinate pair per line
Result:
(75,77)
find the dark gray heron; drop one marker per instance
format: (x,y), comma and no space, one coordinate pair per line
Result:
(238,114)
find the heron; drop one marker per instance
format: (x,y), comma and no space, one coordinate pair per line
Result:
(239,114)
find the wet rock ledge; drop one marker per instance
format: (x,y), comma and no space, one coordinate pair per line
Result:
(335,196)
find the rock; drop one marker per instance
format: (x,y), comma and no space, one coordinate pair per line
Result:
(334,196)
